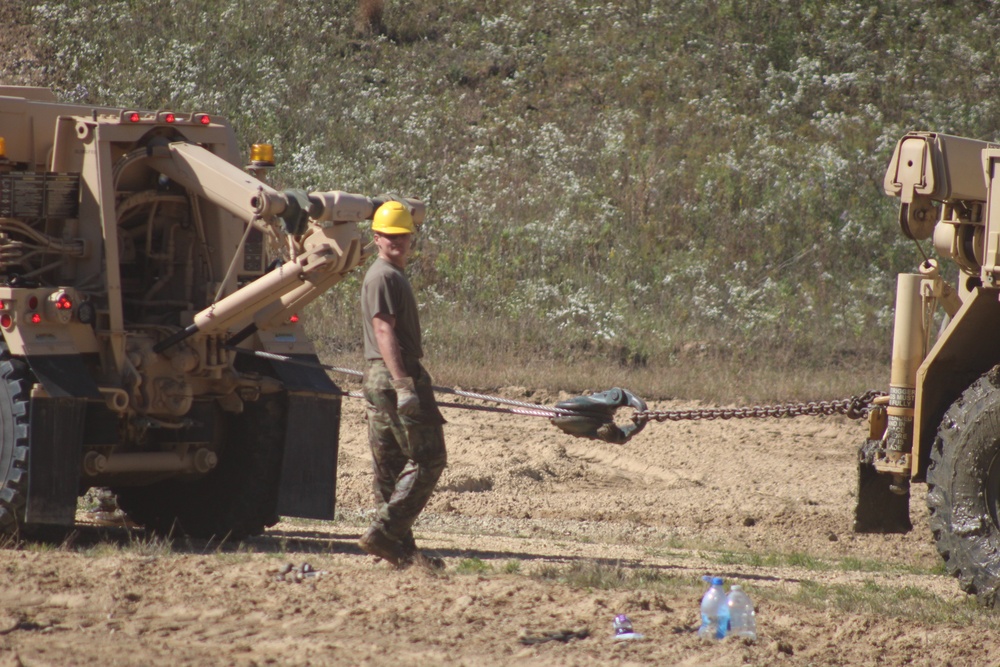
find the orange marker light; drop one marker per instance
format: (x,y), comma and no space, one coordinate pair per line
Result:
(262,154)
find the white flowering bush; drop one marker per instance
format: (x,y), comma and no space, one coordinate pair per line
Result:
(627,175)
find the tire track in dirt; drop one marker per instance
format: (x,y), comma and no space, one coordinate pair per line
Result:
(628,467)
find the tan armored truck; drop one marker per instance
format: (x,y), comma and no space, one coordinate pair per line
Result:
(941,420)
(139,261)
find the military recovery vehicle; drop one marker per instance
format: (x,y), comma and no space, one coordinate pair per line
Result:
(139,262)
(940,422)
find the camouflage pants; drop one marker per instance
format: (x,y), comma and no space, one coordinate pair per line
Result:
(408,454)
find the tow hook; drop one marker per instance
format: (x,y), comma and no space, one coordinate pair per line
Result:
(593,416)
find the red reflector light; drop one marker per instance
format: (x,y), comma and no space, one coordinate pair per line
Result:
(293,319)
(204,119)
(35,318)
(133,117)
(170,118)
(32,302)
(64,303)
(6,321)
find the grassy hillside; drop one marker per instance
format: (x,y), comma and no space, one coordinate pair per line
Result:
(665,189)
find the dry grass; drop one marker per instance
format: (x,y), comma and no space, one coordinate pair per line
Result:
(480,353)
(712,381)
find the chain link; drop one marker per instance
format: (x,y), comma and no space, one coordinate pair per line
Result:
(855,407)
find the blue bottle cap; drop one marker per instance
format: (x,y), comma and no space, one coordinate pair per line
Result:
(716,581)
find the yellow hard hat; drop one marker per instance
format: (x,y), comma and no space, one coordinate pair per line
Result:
(393,217)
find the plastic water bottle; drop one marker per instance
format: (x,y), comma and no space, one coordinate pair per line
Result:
(742,617)
(623,629)
(714,611)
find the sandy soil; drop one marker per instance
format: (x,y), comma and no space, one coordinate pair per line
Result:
(681,500)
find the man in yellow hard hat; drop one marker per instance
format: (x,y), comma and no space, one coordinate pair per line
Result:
(404,424)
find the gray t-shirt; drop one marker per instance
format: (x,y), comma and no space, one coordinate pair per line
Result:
(386,291)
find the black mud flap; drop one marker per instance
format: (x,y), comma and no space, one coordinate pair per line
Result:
(64,375)
(309,466)
(56,424)
(312,437)
(880,509)
(56,438)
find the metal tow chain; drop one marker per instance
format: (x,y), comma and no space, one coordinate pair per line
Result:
(856,407)
(592,416)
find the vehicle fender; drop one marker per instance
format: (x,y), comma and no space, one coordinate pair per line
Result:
(959,357)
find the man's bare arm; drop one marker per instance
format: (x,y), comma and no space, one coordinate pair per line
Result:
(388,345)
(407,402)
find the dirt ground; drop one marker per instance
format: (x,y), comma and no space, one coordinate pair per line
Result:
(518,497)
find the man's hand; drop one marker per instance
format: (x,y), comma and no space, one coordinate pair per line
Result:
(407,402)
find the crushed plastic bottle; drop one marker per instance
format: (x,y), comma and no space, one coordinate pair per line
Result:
(624,630)
(714,611)
(742,617)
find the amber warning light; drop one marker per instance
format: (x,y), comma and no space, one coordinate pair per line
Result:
(262,154)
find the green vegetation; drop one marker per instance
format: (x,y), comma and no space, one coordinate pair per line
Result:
(137,544)
(868,597)
(511,567)
(472,566)
(686,194)
(908,602)
(809,562)
(613,576)
(150,545)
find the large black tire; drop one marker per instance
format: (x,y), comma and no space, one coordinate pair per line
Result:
(964,488)
(239,498)
(15,385)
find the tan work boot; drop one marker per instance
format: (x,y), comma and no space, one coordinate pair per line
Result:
(377,543)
